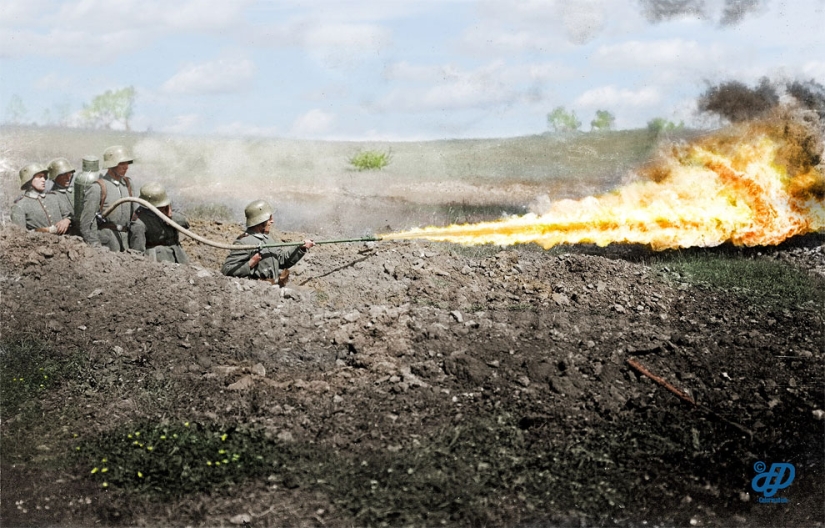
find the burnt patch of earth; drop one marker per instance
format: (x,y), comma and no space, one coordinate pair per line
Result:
(414,384)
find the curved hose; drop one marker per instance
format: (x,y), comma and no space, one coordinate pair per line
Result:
(220,245)
(177,226)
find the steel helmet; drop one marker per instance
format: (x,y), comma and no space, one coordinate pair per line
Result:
(30,171)
(257,212)
(155,194)
(59,166)
(91,164)
(112,156)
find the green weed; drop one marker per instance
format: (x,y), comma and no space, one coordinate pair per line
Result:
(27,370)
(370,160)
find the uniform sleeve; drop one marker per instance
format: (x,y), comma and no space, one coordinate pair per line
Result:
(137,236)
(63,205)
(180,220)
(288,258)
(18,216)
(237,263)
(88,224)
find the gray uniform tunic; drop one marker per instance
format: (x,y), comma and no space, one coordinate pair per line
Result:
(112,234)
(65,199)
(157,239)
(273,259)
(36,211)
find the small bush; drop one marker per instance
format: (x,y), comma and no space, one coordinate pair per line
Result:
(370,160)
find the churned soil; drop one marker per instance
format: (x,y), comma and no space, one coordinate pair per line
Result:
(433,385)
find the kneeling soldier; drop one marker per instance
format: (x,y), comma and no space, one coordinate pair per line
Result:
(34,209)
(265,263)
(61,173)
(150,234)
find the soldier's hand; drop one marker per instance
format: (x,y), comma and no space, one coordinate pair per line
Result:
(63,225)
(254,260)
(308,244)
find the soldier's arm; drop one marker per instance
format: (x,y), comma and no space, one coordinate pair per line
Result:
(180,220)
(289,257)
(137,236)
(237,264)
(18,216)
(88,224)
(66,211)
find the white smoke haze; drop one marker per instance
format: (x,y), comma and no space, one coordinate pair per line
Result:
(315,189)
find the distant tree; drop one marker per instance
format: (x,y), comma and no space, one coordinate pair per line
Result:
(560,120)
(110,107)
(16,111)
(604,121)
(661,125)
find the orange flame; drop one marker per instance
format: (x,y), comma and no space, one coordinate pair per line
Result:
(716,190)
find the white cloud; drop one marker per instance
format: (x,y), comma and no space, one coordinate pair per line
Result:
(653,54)
(610,96)
(94,31)
(214,77)
(312,124)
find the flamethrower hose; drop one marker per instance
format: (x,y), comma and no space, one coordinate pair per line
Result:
(221,245)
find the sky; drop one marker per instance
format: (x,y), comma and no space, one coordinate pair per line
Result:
(394,70)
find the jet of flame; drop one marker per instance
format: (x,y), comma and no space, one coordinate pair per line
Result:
(737,187)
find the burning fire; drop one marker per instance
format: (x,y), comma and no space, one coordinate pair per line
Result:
(746,186)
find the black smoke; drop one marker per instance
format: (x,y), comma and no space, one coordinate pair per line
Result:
(810,95)
(737,102)
(733,11)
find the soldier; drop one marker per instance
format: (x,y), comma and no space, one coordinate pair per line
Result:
(110,232)
(34,209)
(61,173)
(265,263)
(150,234)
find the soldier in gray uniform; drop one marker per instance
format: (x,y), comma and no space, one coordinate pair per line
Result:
(150,234)
(61,173)
(265,263)
(34,209)
(112,231)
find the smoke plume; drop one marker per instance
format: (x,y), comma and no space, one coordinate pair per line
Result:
(732,12)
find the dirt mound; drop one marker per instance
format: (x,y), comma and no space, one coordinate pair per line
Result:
(413,384)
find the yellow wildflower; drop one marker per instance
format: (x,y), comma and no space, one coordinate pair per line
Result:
(94,470)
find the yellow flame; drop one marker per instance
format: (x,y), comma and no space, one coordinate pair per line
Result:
(712,193)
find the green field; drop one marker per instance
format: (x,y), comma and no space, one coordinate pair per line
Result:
(315,188)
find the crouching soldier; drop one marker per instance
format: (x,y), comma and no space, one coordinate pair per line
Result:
(265,263)
(61,173)
(34,209)
(150,234)
(110,232)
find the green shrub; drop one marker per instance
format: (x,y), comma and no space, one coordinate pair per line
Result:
(370,160)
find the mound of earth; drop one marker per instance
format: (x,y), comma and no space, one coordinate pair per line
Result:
(433,386)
